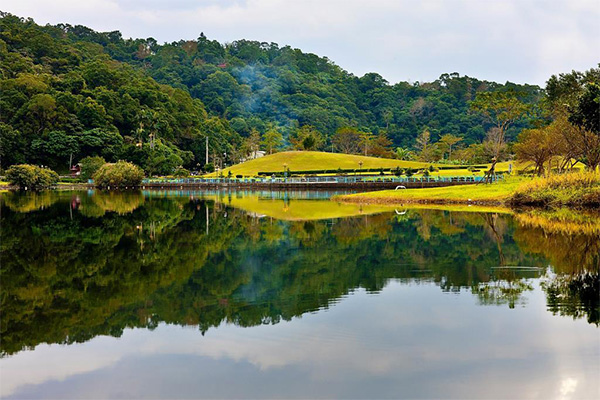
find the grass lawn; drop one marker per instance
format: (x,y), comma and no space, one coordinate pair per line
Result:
(315,160)
(495,193)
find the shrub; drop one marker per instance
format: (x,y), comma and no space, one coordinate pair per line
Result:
(574,189)
(119,174)
(90,165)
(208,168)
(25,176)
(181,172)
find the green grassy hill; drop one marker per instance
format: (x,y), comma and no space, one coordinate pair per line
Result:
(315,160)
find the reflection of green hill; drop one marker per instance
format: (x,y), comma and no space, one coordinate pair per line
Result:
(67,277)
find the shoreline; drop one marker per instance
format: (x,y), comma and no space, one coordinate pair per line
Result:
(402,201)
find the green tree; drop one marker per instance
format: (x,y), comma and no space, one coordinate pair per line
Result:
(117,175)
(56,148)
(403,154)
(272,140)
(25,176)
(501,108)
(89,166)
(447,141)
(307,137)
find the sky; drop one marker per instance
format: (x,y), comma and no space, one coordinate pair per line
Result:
(522,41)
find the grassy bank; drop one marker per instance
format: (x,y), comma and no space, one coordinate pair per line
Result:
(573,190)
(492,194)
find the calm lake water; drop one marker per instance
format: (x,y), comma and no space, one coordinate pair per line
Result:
(291,295)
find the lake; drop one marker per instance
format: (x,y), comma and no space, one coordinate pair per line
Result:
(190,294)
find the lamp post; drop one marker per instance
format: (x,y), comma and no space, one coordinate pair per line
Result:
(360,164)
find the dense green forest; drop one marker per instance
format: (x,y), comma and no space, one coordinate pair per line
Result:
(68,92)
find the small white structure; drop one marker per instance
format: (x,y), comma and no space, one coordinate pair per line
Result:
(254,155)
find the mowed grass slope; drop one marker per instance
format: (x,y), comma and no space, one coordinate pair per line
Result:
(315,160)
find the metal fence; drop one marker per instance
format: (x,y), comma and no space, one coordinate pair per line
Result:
(317,179)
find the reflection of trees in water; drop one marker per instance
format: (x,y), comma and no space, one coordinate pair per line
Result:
(575,295)
(571,242)
(67,278)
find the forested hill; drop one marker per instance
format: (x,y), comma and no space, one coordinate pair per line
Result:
(70,91)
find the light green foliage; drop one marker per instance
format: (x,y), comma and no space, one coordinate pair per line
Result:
(25,176)
(272,140)
(119,174)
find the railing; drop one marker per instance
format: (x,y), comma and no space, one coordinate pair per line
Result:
(316,179)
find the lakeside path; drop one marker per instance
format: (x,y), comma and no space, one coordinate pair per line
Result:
(484,194)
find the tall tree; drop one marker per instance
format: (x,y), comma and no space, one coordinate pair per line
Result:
(539,146)
(347,140)
(501,108)
(272,140)
(423,145)
(447,141)
(307,137)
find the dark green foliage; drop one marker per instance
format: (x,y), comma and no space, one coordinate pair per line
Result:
(31,177)
(90,165)
(117,175)
(182,172)
(63,97)
(208,168)
(586,113)
(102,95)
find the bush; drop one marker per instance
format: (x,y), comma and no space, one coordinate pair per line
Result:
(90,165)
(120,174)
(208,168)
(25,176)
(574,189)
(181,172)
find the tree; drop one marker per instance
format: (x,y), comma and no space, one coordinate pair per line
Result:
(366,138)
(89,166)
(272,140)
(119,174)
(32,177)
(252,143)
(423,146)
(307,138)
(42,107)
(381,146)
(574,101)
(447,141)
(501,108)
(538,146)
(56,148)
(586,113)
(347,140)
(403,154)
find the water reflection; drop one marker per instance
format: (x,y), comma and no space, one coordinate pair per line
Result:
(79,265)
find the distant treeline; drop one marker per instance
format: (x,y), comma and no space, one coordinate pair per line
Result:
(68,92)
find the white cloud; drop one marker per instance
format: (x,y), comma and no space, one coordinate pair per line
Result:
(520,41)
